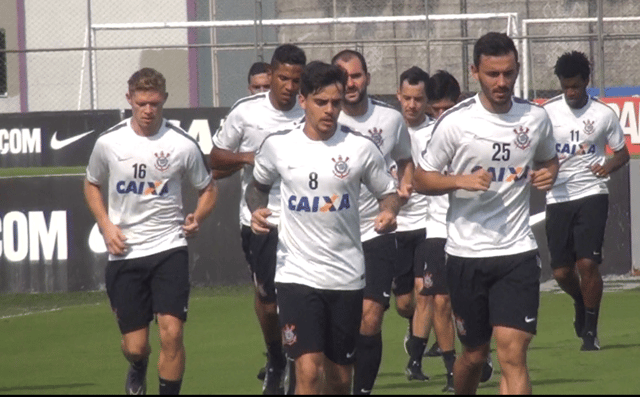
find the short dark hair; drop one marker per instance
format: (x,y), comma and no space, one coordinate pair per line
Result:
(317,75)
(493,44)
(414,75)
(147,79)
(288,54)
(571,64)
(443,85)
(347,55)
(258,68)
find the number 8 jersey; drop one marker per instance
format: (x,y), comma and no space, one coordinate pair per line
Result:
(144,176)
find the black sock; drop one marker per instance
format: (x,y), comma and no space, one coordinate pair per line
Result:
(416,347)
(170,387)
(449,358)
(591,321)
(368,358)
(140,365)
(276,354)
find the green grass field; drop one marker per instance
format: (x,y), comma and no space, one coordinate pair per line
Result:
(69,344)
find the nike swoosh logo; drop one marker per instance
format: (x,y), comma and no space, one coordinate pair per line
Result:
(386,294)
(349,355)
(529,319)
(57,145)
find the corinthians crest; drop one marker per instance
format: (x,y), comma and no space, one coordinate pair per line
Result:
(340,168)
(522,137)
(289,334)
(162,161)
(588,127)
(376,135)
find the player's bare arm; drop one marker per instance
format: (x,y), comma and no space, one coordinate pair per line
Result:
(433,183)
(114,239)
(405,178)
(385,222)
(257,197)
(207,199)
(223,159)
(545,173)
(619,158)
(221,174)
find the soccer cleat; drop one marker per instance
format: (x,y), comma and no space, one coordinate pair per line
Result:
(487,370)
(590,342)
(290,377)
(448,388)
(435,351)
(263,370)
(273,380)
(578,321)
(137,379)
(414,372)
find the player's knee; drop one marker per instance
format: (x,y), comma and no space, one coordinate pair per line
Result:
(562,273)
(405,305)
(372,313)
(587,268)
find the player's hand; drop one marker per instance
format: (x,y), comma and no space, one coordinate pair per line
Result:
(404,191)
(259,222)
(599,171)
(191,226)
(114,239)
(385,222)
(476,181)
(542,179)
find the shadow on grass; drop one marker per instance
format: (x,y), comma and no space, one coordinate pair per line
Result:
(620,346)
(546,382)
(44,387)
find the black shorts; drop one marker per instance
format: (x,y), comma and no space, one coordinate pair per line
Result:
(434,278)
(314,320)
(575,230)
(379,262)
(497,291)
(138,288)
(410,261)
(260,251)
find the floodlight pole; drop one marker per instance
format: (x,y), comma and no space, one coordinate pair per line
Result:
(90,53)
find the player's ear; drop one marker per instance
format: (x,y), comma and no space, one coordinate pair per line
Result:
(129,97)
(302,101)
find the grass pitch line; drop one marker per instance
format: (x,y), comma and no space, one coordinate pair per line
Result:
(30,313)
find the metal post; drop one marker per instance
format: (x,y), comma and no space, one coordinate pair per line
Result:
(90,52)
(601,79)
(214,55)
(465,47)
(259,30)
(426,25)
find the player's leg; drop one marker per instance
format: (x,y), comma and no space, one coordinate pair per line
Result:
(310,373)
(511,348)
(380,255)
(129,294)
(170,296)
(589,236)
(419,337)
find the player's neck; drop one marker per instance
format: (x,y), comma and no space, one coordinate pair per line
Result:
(414,123)
(151,130)
(493,107)
(281,107)
(356,109)
(315,135)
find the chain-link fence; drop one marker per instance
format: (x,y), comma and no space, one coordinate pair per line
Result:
(78,54)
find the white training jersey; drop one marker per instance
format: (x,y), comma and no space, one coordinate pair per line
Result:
(385,126)
(468,137)
(413,215)
(437,206)
(581,135)
(144,176)
(319,238)
(248,123)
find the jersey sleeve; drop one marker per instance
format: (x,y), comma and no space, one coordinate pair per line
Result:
(546,149)
(615,135)
(229,135)
(197,168)
(402,148)
(98,169)
(375,175)
(265,168)
(439,149)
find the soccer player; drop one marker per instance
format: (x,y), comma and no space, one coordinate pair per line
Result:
(385,126)
(320,272)
(259,78)
(578,204)
(495,148)
(248,123)
(141,162)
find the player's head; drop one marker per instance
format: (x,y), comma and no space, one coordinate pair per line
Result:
(412,94)
(259,77)
(358,78)
(147,94)
(573,70)
(495,66)
(321,91)
(287,64)
(443,92)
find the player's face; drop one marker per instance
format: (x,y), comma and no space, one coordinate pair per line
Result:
(146,109)
(285,84)
(497,77)
(321,110)
(574,90)
(441,106)
(356,89)
(260,82)
(413,101)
